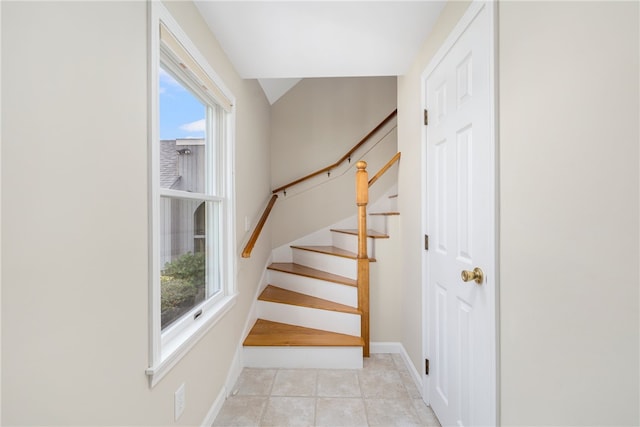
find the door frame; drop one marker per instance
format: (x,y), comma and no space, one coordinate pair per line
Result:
(472,11)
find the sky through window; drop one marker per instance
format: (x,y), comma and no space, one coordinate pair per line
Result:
(182,115)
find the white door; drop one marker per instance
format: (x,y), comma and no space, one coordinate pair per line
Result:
(460,197)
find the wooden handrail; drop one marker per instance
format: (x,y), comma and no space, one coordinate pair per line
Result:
(343,158)
(246,253)
(362,199)
(384,169)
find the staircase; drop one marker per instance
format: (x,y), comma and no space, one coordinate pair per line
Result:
(307,315)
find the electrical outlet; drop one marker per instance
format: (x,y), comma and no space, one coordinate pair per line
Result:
(247,224)
(179,402)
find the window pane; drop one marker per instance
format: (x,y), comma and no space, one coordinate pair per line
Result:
(182,136)
(187,274)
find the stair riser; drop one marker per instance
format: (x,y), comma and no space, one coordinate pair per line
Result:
(303,357)
(333,321)
(378,223)
(349,242)
(337,265)
(342,294)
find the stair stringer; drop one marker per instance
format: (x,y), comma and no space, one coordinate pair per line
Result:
(252,315)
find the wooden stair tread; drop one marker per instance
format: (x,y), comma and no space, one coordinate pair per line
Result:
(385,213)
(370,233)
(284,296)
(267,333)
(302,270)
(330,250)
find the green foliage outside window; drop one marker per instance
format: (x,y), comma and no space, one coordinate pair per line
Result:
(182,284)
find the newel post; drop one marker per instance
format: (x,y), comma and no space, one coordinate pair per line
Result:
(362,198)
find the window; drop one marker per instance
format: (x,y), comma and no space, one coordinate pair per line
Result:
(192,268)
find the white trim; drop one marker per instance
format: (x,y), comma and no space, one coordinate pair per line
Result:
(186,58)
(154,181)
(234,372)
(252,314)
(458,30)
(385,347)
(214,410)
(166,349)
(184,342)
(0,214)
(189,141)
(165,16)
(495,137)
(232,378)
(470,14)
(426,397)
(185,195)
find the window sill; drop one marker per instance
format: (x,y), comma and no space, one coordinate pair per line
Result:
(180,345)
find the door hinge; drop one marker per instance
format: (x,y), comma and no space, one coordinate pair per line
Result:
(426,366)
(426,242)
(426,117)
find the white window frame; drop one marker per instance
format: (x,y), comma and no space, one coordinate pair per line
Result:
(168,347)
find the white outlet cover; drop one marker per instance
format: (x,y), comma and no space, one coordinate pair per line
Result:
(179,401)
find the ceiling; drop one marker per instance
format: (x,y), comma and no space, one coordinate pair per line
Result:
(291,40)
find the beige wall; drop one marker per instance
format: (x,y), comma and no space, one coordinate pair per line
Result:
(312,126)
(75,212)
(319,120)
(569,190)
(569,213)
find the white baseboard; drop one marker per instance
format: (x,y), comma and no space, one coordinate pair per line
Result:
(253,310)
(398,348)
(386,347)
(215,409)
(235,369)
(232,378)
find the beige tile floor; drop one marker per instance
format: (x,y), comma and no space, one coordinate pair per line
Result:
(380,394)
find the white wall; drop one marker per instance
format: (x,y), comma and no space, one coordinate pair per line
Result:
(75,212)
(569,191)
(569,213)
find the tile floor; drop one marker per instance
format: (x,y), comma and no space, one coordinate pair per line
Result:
(381,394)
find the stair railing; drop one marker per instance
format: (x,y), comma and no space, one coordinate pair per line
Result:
(246,252)
(362,199)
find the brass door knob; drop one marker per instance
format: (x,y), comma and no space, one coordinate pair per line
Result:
(476,275)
